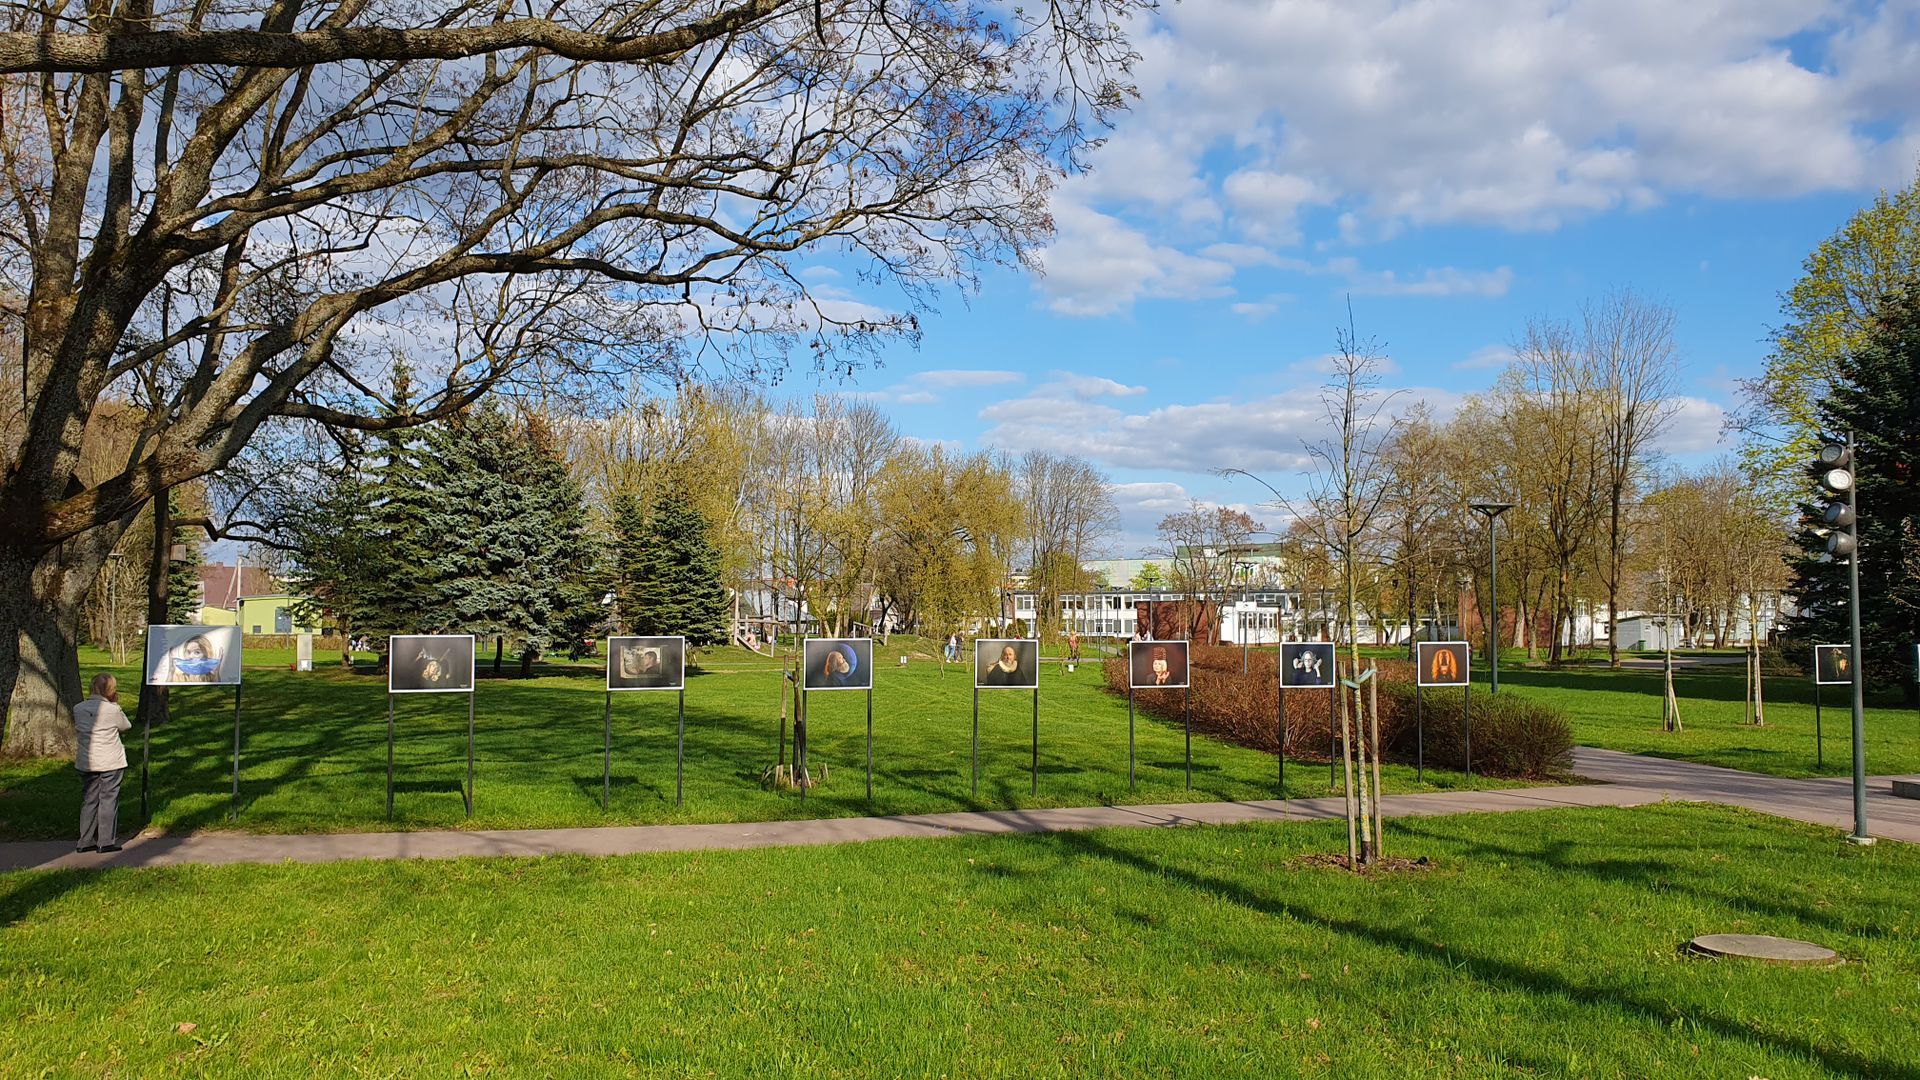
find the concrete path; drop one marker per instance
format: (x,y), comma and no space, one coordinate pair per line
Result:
(1627,780)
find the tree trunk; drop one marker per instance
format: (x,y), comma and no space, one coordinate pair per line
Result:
(527,656)
(499,648)
(153,699)
(42,600)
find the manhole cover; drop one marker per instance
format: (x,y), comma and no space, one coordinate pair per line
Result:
(1773,950)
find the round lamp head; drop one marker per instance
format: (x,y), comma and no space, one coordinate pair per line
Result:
(1836,480)
(1835,456)
(1838,514)
(1840,545)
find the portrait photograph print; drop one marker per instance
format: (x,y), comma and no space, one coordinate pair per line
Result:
(1306,663)
(838,663)
(429,663)
(1442,663)
(193,655)
(1833,664)
(646,663)
(1157,665)
(1006,663)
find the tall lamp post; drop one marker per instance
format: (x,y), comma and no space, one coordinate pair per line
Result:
(1492,511)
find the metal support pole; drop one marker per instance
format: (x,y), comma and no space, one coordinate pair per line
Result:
(680,751)
(1036,740)
(800,743)
(1419,735)
(976,740)
(1280,695)
(1129,737)
(233,805)
(1466,716)
(1493,601)
(146,729)
(1186,695)
(389,757)
(869,744)
(1860,834)
(606,754)
(469,789)
(1819,739)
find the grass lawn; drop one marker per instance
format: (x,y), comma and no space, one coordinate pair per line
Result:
(1620,710)
(315,744)
(1544,943)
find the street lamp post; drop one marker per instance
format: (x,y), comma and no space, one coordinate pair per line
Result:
(1492,511)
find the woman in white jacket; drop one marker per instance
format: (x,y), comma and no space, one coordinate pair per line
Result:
(101,759)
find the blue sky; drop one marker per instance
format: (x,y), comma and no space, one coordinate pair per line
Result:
(1456,168)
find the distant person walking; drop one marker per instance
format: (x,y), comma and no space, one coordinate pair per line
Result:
(101,761)
(1073,645)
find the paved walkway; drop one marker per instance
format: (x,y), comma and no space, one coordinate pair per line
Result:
(1626,780)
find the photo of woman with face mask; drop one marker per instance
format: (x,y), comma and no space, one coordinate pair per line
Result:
(193,655)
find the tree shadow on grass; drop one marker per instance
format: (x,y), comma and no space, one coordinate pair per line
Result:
(1500,974)
(1562,856)
(21,894)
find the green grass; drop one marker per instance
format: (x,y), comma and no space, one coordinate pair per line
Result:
(1544,943)
(1620,710)
(315,745)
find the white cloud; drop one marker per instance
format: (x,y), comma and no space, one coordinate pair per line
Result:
(1487,357)
(1098,265)
(1695,427)
(1259,122)
(920,388)
(966,377)
(1443,281)
(1091,386)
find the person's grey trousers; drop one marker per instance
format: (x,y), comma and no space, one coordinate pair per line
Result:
(100,808)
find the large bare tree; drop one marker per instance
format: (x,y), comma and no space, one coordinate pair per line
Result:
(1630,351)
(229,214)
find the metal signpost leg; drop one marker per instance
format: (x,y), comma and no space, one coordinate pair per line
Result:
(976,740)
(234,805)
(1466,715)
(1129,736)
(869,744)
(1281,694)
(1333,734)
(468,792)
(1187,708)
(800,748)
(389,757)
(1819,742)
(1036,741)
(146,732)
(680,752)
(606,753)
(1419,736)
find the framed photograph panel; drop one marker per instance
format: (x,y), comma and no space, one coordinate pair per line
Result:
(837,664)
(193,655)
(646,663)
(1006,663)
(1442,663)
(1833,665)
(430,664)
(1156,665)
(1307,665)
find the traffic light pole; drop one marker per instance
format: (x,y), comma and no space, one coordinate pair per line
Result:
(1860,834)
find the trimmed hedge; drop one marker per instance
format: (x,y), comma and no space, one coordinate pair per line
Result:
(1512,736)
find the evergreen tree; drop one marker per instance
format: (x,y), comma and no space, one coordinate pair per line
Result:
(336,557)
(398,580)
(183,573)
(671,571)
(512,553)
(1876,396)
